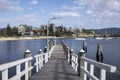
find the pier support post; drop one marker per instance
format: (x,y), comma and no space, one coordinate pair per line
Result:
(40,51)
(71,52)
(85,46)
(99,54)
(49,44)
(80,61)
(54,42)
(45,50)
(27,54)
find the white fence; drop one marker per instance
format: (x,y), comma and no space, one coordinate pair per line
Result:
(103,68)
(40,60)
(90,72)
(4,68)
(76,60)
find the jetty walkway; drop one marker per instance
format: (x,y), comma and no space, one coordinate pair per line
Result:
(57,68)
(59,63)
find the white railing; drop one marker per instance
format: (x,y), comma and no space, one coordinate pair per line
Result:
(73,59)
(74,62)
(41,59)
(103,68)
(90,72)
(4,68)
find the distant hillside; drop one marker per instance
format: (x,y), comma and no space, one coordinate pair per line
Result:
(110,31)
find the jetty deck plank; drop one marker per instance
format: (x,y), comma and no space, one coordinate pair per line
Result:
(57,68)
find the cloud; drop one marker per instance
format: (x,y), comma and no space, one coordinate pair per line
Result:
(87,2)
(66,14)
(4,20)
(11,5)
(113,5)
(10,8)
(34,2)
(71,7)
(100,8)
(28,17)
(42,10)
(30,8)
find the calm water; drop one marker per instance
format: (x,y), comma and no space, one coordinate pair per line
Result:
(111,52)
(14,50)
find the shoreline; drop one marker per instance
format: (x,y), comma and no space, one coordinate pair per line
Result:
(26,38)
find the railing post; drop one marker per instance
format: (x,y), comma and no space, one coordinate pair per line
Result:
(65,48)
(68,55)
(102,74)
(45,57)
(40,51)
(91,69)
(18,71)
(67,52)
(27,64)
(40,60)
(71,52)
(80,62)
(76,58)
(5,74)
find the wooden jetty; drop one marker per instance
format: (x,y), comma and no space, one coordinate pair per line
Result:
(59,63)
(57,68)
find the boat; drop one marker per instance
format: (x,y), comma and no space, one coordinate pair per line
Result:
(108,38)
(80,38)
(99,38)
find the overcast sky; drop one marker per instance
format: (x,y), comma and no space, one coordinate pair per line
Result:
(81,13)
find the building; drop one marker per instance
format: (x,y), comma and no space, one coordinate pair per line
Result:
(21,29)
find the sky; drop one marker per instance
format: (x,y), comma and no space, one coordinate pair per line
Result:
(88,14)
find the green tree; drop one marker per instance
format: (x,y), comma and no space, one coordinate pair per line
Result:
(86,31)
(3,32)
(51,29)
(9,30)
(15,31)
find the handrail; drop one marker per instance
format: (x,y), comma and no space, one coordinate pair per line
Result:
(74,60)
(14,63)
(107,67)
(4,68)
(102,66)
(41,59)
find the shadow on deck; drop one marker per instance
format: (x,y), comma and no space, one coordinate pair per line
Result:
(57,68)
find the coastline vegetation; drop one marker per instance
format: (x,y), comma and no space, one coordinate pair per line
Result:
(12,33)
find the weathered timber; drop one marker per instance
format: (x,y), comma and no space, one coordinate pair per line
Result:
(57,68)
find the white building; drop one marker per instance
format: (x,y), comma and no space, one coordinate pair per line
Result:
(21,29)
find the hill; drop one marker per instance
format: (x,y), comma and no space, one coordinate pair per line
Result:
(109,31)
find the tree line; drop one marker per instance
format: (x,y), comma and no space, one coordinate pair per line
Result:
(57,31)
(8,31)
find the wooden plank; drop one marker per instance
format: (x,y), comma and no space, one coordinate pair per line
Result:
(57,68)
